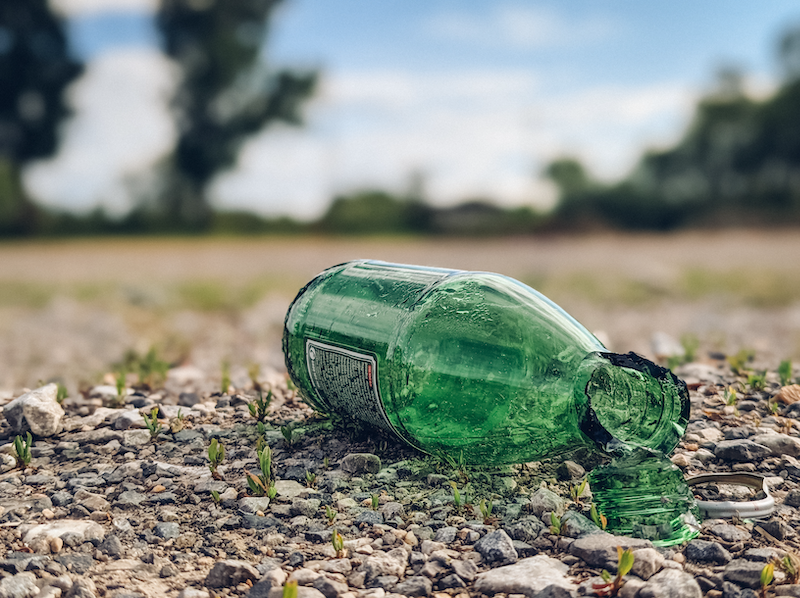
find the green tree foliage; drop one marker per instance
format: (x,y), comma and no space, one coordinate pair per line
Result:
(35,68)
(375,212)
(227,92)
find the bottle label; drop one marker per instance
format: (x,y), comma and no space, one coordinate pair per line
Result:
(347,382)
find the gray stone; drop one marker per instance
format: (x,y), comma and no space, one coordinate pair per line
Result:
(378,565)
(82,588)
(556,591)
(208,485)
(729,533)
(129,419)
(744,573)
(789,589)
(446,534)
(90,500)
(85,531)
(646,562)
(671,583)
(741,450)
(78,563)
(368,517)
(731,590)
(251,504)
(21,585)
(526,529)
(125,472)
(765,555)
(527,576)
(792,498)
(569,470)
(357,463)
(230,573)
(451,581)
(193,593)
(577,525)
(306,506)
(778,528)
(328,587)
(414,586)
(167,529)
(497,549)
(36,411)
(466,570)
(289,488)
(600,550)
(544,500)
(392,509)
(702,551)
(779,444)
(130,499)
(61,498)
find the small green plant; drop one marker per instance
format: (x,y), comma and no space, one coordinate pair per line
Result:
(577,490)
(598,518)
(225,383)
(153,425)
(338,543)
(152,369)
(122,390)
(330,514)
(790,565)
(730,396)
(253,371)
(261,436)
(216,454)
(456,497)
(611,586)
(272,491)
(690,345)
(260,407)
(739,361)
(215,497)
(757,381)
(22,450)
(457,464)
(326,463)
(290,589)
(260,484)
(311,479)
(288,433)
(177,423)
(767,574)
(774,408)
(373,501)
(61,393)
(785,372)
(555,524)
(486,511)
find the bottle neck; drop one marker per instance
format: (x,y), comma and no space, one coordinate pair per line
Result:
(631,401)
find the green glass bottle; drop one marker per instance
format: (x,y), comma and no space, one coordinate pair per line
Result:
(473,364)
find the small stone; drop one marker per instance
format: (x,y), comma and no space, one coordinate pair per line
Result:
(357,463)
(779,444)
(544,500)
(112,546)
(82,588)
(497,548)
(21,585)
(703,551)
(414,586)
(646,562)
(229,573)
(527,576)
(368,517)
(328,587)
(166,529)
(36,411)
(744,572)
(570,471)
(741,450)
(671,583)
(466,570)
(729,533)
(600,550)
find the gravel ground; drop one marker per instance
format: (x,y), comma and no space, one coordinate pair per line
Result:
(104,509)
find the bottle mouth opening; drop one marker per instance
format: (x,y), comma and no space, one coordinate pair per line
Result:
(633,401)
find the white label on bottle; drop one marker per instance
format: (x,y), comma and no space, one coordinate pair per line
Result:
(347,382)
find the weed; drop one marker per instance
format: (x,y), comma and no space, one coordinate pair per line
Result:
(176,424)
(272,491)
(259,408)
(253,371)
(330,514)
(739,361)
(290,589)
(790,565)
(373,501)
(611,587)
(261,436)
(730,396)
(486,511)
(153,425)
(774,408)
(456,497)
(122,390)
(757,382)
(555,524)
(311,479)
(338,543)
(576,490)
(226,377)
(326,463)
(61,393)
(288,433)
(690,345)
(152,369)
(767,574)
(215,497)
(216,454)
(599,519)
(260,484)
(22,450)
(785,372)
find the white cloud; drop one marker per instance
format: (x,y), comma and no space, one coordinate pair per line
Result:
(72,8)
(121,125)
(479,133)
(520,27)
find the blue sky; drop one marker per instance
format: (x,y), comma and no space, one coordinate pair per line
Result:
(477,95)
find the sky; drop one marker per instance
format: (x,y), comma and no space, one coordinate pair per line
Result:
(474,96)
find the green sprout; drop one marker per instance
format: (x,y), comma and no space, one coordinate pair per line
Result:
(785,372)
(272,491)
(374,502)
(216,454)
(555,524)
(152,423)
(790,565)
(122,391)
(577,490)
(330,514)
(486,511)
(338,543)
(311,479)
(599,519)
(690,345)
(757,381)
(456,497)
(152,369)
(290,589)
(215,497)
(326,463)
(61,393)
(730,396)
(259,408)
(261,436)
(22,450)
(767,574)
(253,371)
(739,361)
(260,484)
(611,587)
(288,433)
(226,377)
(176,424)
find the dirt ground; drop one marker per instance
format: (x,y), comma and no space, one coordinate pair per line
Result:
(71,309)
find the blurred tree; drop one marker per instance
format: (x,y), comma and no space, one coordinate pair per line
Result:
(227,93)
(35,68)
(375,212)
